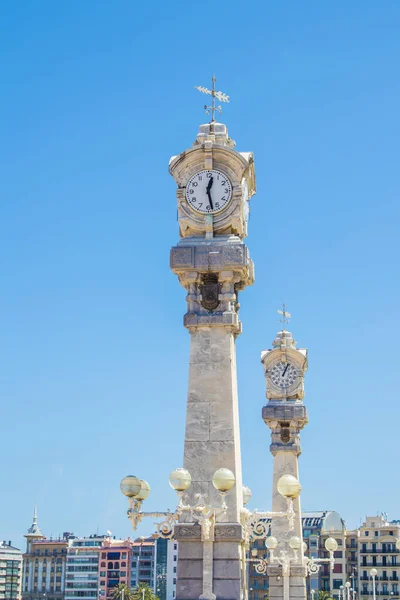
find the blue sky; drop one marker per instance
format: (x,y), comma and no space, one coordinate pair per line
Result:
(95,98)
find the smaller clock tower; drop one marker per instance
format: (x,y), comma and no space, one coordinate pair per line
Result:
(285,415)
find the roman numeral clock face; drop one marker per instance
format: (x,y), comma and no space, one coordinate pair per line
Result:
(208,191)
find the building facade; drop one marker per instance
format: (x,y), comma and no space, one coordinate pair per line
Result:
(377,549)
(82,570)
(172,561)
(115,566)
(10,572)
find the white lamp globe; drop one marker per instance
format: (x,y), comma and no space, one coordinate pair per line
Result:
(305,547)
(144,490)
(271,542)
(254,552)
(373,572)
(331,544)
(295,543)
(223,480)
(246,494)
(289,486)
(180,480)
(130,486)
(347,584)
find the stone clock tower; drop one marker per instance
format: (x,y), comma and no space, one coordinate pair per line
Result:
(215,183)
(285,415)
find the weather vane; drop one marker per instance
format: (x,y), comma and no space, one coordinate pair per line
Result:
(219,95)
(286,316)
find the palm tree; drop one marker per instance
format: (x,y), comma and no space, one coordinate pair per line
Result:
(143,592)
(323,595)
(122,592)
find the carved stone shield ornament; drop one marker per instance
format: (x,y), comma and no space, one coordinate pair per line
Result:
(285,435)
(209,296)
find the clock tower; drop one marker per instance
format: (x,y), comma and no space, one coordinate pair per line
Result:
(214,185)
(285,415)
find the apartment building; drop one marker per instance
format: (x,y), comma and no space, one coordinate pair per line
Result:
(115,566)
(10,572)
(82,567)
(377,549)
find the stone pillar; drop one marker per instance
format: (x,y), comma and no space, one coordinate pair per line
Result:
(212,272)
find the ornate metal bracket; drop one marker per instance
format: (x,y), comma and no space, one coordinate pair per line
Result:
(314,564)
(255,525)
(201,512)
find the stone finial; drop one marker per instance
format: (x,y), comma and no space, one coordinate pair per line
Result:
(284,339)
(214,133)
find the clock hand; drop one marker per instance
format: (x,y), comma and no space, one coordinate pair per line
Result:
(286,368)
(209,186)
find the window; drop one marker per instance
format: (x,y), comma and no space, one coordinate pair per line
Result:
(364,548)
(174,569)
(366,533)
(122,573)
(373,547)
(114,555)
(102,573)
(376,533)
(338,554)
(352,543)
(339,542)
(110,565)
(394,560)
(336,584)
(124,555)
(174,581)
(384,561)
(123,564)
(103,564)
(103,555)
(337,568)
(102,583)
(175,546)
(175,558)
(385,588)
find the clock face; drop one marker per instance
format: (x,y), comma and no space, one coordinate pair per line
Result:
(283,375)
(208,192)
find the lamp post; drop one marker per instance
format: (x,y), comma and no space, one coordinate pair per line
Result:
(285,558)
(373,573)
(347,585)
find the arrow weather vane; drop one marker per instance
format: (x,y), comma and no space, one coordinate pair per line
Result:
(286,316)
(219,95)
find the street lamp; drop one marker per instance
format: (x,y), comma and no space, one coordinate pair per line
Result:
(180,480)
(373,573)
(254,522)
